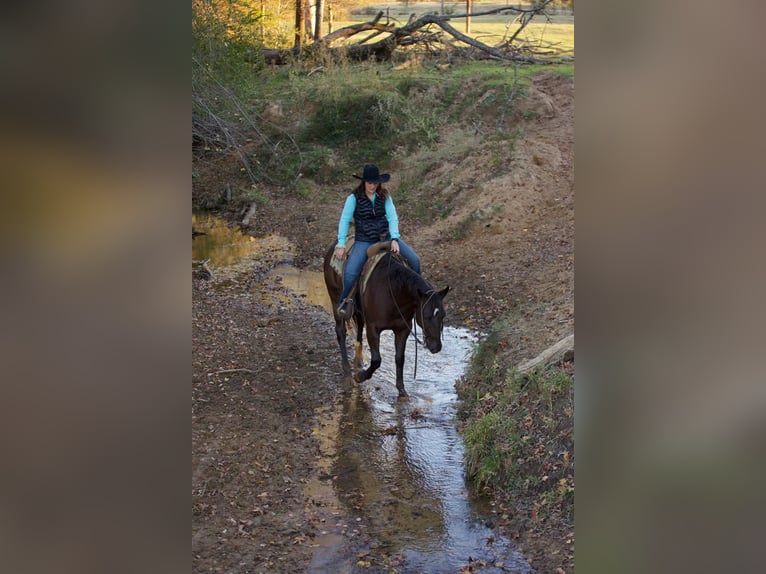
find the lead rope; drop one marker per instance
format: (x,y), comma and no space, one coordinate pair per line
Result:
(415,370)
(414,329)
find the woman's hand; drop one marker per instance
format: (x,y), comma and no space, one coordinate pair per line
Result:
(394,246)
(340,253)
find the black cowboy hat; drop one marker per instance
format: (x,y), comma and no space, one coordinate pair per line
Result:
(372,174)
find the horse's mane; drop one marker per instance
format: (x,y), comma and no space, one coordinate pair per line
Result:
(401,275)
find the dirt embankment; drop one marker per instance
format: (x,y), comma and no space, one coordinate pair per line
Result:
(262,366)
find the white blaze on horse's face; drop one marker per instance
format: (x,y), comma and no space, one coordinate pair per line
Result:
(431,318)
(432,327)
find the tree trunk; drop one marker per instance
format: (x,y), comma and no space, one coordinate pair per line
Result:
(263,20)
(318,26)
(300,25)
(468,7)
(308,30)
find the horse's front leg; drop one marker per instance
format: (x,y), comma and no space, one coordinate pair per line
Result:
(373,340)
(400,341)
(358,343)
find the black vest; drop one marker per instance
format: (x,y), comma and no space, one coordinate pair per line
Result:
(370,221)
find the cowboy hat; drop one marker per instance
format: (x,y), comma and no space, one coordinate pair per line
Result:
(372,174)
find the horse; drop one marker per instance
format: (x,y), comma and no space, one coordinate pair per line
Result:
(391,297)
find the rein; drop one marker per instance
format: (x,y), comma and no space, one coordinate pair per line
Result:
(398,309)
(414,322)
(414,329)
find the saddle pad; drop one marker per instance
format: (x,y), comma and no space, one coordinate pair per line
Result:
(336,263)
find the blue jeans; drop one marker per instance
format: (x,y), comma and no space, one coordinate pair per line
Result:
(358,255)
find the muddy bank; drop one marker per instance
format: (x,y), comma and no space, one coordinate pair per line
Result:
(252,412)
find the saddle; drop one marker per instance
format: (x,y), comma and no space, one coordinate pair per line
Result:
(375,253)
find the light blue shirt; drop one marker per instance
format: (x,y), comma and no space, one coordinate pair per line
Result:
(348,215)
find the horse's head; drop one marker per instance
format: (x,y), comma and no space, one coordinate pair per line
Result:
(430,316)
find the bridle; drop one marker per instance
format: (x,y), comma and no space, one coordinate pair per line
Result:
(414,329)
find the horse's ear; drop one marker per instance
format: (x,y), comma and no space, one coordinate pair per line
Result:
(443,292)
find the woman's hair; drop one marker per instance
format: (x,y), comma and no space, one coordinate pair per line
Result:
(381,191)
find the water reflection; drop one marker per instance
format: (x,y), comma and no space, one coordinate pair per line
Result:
(308,284)
(226,246)
(408,460)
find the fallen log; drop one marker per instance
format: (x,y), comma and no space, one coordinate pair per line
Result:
(549,355)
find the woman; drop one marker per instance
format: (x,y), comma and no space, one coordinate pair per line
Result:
(375,219)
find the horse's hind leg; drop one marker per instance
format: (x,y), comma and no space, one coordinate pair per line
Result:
(400,342)
(340,333)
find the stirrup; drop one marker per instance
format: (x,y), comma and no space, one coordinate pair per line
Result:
(345,307)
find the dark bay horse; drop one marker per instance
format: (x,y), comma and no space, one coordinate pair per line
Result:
(391,297)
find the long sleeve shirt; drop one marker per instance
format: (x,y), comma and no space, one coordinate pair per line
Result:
(347,215)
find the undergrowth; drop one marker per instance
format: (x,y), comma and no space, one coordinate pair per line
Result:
(321,120)
(518,430)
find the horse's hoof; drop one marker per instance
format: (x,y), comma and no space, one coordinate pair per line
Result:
(403,397)
(358,377)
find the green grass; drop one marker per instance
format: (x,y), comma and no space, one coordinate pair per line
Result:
(372,112)
(244,195)
(517,426)
(488,457)
(508,418)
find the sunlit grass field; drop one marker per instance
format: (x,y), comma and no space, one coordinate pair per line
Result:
(556,34)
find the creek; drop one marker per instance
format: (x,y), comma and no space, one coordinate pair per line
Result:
(391,476)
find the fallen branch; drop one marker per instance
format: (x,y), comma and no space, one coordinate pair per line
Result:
(203,271)
(411,33)
(349,31)
(549,354)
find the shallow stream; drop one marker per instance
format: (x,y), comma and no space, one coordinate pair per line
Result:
(392,479)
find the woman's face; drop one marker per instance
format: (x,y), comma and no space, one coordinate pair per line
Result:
(370,187)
